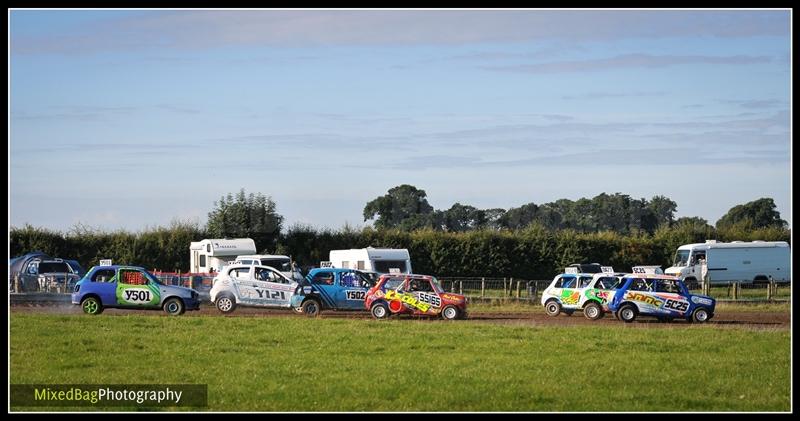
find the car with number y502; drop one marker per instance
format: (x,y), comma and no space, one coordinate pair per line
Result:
(332,289)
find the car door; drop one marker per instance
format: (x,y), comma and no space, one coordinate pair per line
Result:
(674,302)
(567,292)
(324,282)
(135,289)
(274,288)
(429,301)
(246,288)
(104,284)
(351,289)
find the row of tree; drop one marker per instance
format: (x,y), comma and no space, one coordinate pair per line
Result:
(534,252)
(406,208)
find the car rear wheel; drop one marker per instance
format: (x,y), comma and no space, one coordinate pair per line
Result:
(552,308)
(311,308)
(627,313)
(226,304)
(700,315)
(173,306)
(92,305)
(593,311)
(379,311)
(450,313)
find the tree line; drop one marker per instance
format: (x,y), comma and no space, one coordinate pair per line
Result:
(514,243)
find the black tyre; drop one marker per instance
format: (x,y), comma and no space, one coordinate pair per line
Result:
(311,308)
(174,306)
(92,305)
(593,311)
(628,313)
(450,313)
(379,311)
(226,303)
(552,308)
(700,315)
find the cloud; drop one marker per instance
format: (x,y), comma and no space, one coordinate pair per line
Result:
(88,113)
(602,95)
(755,103)
(203,29)
(627,61)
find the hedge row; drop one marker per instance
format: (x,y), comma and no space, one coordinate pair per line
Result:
(531,253)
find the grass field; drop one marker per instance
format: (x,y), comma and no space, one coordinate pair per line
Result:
(299,364)
(526,307)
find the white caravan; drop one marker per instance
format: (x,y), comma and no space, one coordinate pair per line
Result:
(372,260)
(214,254)
(282,263)
(737,261)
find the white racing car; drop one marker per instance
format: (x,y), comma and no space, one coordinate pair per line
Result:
(251,285)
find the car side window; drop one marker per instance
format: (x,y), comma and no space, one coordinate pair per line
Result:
(392,283)
(566,282)
(322,278)
(640,284)
(103,275)
(239,274)
(585,281)
(349,279)
(665,285)
(132,277)
(422,285)
(33,268)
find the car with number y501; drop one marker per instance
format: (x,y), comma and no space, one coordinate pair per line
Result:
(130,287)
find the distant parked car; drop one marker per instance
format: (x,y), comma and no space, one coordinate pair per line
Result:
(251,285)
(661,296)
(332,288)
(53,274)
(130,287)
(589,293)
(413,294)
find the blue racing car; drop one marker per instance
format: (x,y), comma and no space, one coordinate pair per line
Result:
(661,296)
(130,287)
(331,288)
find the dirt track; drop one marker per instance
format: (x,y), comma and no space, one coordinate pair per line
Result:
(722,318)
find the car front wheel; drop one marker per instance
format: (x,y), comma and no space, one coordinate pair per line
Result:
(92,305)
(311,308)
(450,313)
(173,306)
(379,311)
(700,315)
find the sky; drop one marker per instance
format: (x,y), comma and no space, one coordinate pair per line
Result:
(130,119)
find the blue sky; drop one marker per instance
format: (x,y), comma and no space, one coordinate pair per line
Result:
(128,119)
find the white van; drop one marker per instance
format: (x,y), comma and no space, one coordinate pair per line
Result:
(215,253)
(282,263)
(737,261)
(371,259)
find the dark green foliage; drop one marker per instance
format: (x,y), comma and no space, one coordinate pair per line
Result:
(761,213)
(246,216)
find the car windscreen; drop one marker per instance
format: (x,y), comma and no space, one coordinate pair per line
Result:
(280,264)
(681,258)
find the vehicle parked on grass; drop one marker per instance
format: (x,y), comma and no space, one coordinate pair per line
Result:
(413,294)
(589,293)
(331,289)
(251,285)
(130,287)
(661,296)
(737,261)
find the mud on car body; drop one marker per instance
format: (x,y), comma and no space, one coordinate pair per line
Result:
(413,294)
(332,289)
(130,287)
(251,285)
(661,296)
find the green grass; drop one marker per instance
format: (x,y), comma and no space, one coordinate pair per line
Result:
(300,364)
